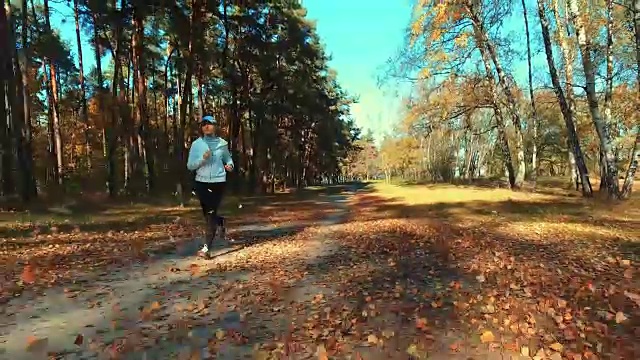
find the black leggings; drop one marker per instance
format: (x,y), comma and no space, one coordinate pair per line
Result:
(210,196)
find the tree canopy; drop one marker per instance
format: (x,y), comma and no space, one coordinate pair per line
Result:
(123,110)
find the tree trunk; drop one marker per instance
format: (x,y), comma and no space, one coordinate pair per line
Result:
(141,85)
(200,92)
(489,52)
(602,129)
(502,134)
(187,89)
(23,126)
(83,95)
(52,172)
(629,178)
(6,111)
(608,89)
(19,128)
(534,110)
(166,145)
(566,107)
(109,137)
(574,173)
(55,115)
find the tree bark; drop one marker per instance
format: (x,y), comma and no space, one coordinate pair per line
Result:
(109,137)
(534,110)
(629,178)
(55,114)
(608,88)
(584,44)
(141,85)
(565,105)
(84,112)
(6,112)
(23,130)
(502,134)
(486,46)
(186,91)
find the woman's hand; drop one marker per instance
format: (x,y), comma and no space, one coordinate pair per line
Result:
(228,168)
(206,155)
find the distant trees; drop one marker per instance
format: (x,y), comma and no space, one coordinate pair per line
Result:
(469,118)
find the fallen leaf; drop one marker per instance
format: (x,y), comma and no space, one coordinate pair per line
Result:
(35,345)
(321,353)
(555,356)
(412,350)
(155,306)
(556,347)
(388,334)
(487,337)
(421,323)
(28,274)
(562,303)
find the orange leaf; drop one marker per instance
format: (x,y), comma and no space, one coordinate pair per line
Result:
(155,306)
(421,323)
(35,345)
(322,353)
(28,274)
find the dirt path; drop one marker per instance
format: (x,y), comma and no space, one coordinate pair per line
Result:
(174,305)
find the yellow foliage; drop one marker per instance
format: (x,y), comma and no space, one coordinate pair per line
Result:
(441,14)
(462,40)
(440,56)
(416,27)
(424,73)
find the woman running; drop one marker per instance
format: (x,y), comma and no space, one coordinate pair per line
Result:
(209,157)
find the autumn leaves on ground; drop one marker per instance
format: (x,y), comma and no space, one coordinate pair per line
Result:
(394,272)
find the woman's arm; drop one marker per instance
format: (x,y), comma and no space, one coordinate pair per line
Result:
(226,156)
(195,160)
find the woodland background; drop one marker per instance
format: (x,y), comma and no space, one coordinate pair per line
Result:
(467,118)
(125,125)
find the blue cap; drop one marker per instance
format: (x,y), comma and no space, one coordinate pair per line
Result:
(208,119)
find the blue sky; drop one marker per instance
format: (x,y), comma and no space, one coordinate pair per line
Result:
(361,35)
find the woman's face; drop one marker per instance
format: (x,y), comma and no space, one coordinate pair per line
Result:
(208,128)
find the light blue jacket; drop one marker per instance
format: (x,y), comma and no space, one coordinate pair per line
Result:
(210,170)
